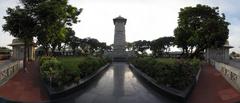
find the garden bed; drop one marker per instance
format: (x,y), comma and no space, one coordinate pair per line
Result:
(165,86)
(81,70)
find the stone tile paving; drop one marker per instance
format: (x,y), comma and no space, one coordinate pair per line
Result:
(117,85)
(25,86)
(213,88)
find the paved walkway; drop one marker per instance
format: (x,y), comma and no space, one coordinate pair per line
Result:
(24,86)
(117,85)
(213,88)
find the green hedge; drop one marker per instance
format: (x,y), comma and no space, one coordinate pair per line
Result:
(52,69)
(90,65)
(178,74)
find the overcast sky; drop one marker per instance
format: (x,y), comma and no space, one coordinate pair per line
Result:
(146,19)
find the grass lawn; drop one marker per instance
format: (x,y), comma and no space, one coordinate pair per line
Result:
(166,60)
(71,62)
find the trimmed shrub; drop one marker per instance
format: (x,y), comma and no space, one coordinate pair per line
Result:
(52,71)
(45,58)
(58,75)
(90,65)
(178,74)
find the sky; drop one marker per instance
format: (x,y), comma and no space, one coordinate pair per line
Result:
(146,19)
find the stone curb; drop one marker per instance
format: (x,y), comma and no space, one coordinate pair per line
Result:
(74,87)
(180,96)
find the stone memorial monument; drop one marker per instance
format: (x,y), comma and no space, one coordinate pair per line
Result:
(119,52)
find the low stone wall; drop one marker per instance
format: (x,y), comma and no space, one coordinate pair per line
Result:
(8,70)
(230,73)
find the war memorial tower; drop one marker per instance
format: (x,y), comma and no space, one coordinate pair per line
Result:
(119,35)
(119,52)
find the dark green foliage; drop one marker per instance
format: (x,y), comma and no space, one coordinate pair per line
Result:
(21,25)
(91,46)
(45,58)
(200,27)
(178,74)
(90,65)
(141,46)
(54,16)
(58,74)
(52,71)
(161,45)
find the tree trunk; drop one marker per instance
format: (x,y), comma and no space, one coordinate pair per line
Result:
(74,50)
(28,55)
(196,53)
(46,50)
(59,47)
(53,49)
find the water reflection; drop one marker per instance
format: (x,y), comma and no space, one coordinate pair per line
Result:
(117,85)
(118,79)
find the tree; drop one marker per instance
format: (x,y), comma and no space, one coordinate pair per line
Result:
(52,18)
(200,27)
(129,46)
(141,46)
(101,48)
(181,40)
(57,43)
(91,46)
(161,45)
(74,43)
(20,24)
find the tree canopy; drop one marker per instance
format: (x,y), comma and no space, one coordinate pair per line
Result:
(47,20)
(21,25)
(141,46)
(53,18)
(161,45)
(200,27)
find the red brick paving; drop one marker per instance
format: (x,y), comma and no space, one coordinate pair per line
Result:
(25,86)
(213,88)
